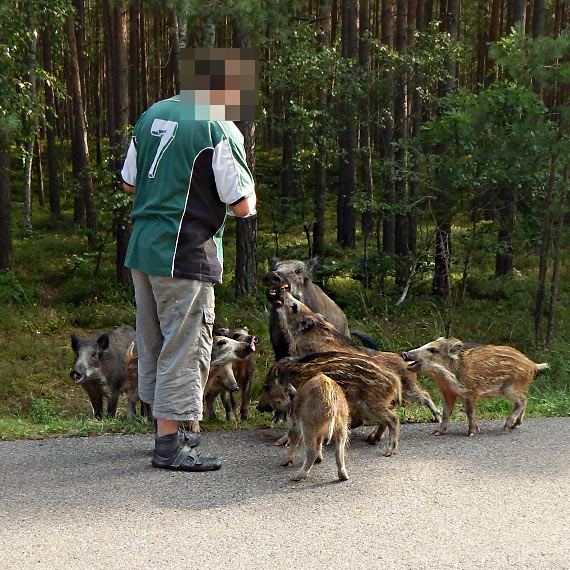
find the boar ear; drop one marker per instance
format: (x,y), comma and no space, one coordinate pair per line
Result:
(223,332)
(103,341)
(307,324)
(311,265)
(273,263)
(291,391)
(455,347)
(74,342)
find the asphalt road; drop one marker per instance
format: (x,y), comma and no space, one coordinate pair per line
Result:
(499,500)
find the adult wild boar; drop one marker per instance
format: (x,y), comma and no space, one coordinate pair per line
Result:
(298,277)
(100,367)
(371,390)
(309,333)
(470,372)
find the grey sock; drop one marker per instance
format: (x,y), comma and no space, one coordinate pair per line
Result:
(166,447)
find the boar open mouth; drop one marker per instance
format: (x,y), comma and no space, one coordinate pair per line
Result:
(274,292)
(414,365)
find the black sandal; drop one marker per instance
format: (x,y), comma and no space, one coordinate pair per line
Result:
(187,459)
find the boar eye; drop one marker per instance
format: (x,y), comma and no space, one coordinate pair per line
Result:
(93,354)
(221,343)
(298,271)
(433,350)
(236,336)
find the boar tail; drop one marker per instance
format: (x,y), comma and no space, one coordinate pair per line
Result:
(542,365)
(331,430)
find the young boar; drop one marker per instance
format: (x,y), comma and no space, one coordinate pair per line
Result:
(243,369)
(221,378)
(470,372)
(132,388)
(100,367)
(319,413)
(309,333)
(371,390)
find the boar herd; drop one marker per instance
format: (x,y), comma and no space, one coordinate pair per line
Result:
(322,381)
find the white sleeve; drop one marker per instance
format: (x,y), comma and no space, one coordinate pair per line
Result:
(129,172)
(230,185)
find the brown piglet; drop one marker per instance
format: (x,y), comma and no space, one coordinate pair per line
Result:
(470,372)
(319,414)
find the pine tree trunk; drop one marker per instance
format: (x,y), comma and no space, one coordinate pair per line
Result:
(133,67)
(39,171)
(346,218)
(121,97)
(364,111)
(544,246)
(556,263)
(400,132)
(5,206)
(143,71)
(80,139)
(386,149)
(416,114)
(246,228)
(441,284)
(54,202)
(320,159)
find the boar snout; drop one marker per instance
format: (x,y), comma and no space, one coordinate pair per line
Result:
(406,356)
(76,376)
(272,278)
(265,407)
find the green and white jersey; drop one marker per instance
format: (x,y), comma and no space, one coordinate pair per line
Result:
(185,173)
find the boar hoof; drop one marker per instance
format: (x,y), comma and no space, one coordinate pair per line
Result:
(283,441)
(286,463)
(299,476)
(371,440)
(438,432)
(342,476)
(471,434)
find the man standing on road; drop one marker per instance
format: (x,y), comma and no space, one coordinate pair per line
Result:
(187,174)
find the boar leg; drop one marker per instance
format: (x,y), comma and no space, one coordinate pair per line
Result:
(516,416)
(375,436)
(312,449)
(244,410)
(393,432)
(470,412)
(417,395)
(340,447)
(227,401)
(284,441)
(449,401)
(295,438)
(210,412)
(96,397)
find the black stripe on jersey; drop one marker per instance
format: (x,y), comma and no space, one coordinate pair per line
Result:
(196,255)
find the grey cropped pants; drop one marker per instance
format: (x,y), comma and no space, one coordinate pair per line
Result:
(175,318)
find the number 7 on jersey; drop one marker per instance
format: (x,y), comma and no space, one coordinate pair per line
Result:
(166,130)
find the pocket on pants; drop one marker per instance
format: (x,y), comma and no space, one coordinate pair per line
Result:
(206,333)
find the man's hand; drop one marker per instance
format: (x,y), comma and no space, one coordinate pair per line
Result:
(246,207)
(128,188)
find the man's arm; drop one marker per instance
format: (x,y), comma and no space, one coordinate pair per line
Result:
(128,188)
(245,207)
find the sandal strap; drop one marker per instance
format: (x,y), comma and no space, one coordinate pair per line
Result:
(184,454)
